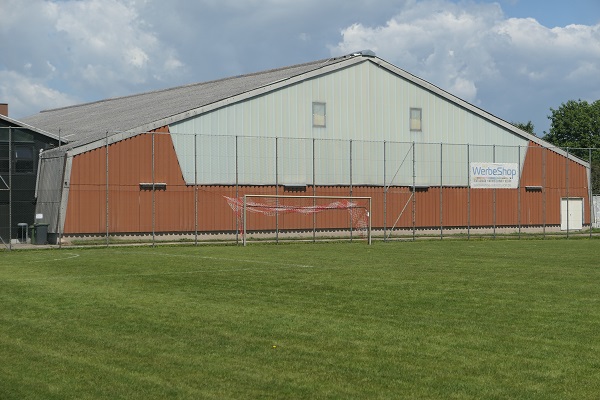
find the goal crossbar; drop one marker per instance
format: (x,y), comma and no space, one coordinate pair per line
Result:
(251,203)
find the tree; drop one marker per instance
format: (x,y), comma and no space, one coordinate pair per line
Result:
(527,127)
(576,125)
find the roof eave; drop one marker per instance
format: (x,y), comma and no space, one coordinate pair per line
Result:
(23,125)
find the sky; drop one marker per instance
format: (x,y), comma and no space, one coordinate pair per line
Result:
(516,59)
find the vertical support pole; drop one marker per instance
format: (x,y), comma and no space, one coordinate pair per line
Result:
(590,193)
(59,226)
(441,191)
(62,185)
(414,195)
(567,188)
(107,189)
(195,189)
(153,196)
(10,173)
(351,190)
(494,193)
(519,189)
(314,190)
(277,189)
(237,192)
(544,156)
(385,192)
(468,191)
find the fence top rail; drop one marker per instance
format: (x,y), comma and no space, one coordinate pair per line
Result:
(307,197)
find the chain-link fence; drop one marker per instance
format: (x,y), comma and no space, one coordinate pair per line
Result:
(155,187)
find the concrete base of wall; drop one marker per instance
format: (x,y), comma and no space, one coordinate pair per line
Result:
(377,234)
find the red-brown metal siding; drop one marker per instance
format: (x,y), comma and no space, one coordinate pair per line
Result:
(130,208)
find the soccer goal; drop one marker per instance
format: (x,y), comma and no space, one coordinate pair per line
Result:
(326,216)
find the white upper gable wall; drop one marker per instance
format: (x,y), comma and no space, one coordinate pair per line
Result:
(365,102)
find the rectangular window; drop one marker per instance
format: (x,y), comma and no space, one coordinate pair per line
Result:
(22,159)
(416,124)
(318,113)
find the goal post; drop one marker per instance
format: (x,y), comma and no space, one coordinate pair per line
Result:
(357,216)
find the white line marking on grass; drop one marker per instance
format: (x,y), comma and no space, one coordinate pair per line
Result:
(141,274)
(196,271)
(233,260)
(70,256)
(256,262)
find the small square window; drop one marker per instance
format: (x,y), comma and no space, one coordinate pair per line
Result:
(416,115)
(318,113)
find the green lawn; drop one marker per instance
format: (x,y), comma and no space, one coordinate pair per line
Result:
(503,319)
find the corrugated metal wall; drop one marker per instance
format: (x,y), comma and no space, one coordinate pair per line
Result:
(365,103)
(132,208)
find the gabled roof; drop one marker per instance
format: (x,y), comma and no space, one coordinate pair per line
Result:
(85,126)
(88,122)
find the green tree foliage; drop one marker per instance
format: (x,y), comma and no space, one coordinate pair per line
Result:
(527,127)
(576,125)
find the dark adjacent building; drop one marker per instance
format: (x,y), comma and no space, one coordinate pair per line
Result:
(20,147)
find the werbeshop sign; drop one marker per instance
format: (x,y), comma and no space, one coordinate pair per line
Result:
(494,175)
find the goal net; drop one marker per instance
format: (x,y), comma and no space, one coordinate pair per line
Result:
(323,215)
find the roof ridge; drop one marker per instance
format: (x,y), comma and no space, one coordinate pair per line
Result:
(256,73)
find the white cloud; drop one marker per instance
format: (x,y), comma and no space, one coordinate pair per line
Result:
(50,66)
(25,93)
(99,48)
(84,50)
(434,40)
(465,89)
(172,63)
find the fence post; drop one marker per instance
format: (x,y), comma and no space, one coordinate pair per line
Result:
(468,191)
(62,184)
(544,156)
(494,194)
(385,191)
(351,189)
(195,189)
(414,194)
(237,191)
(519,189)
(567,188)
(590,191)
(277,189)
(107,189)
(314,190)
(441,191)
(10,172)
(59,225)
(153,196)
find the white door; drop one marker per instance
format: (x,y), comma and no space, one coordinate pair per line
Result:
(571,213)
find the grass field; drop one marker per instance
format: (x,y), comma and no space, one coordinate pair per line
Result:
(503,319)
